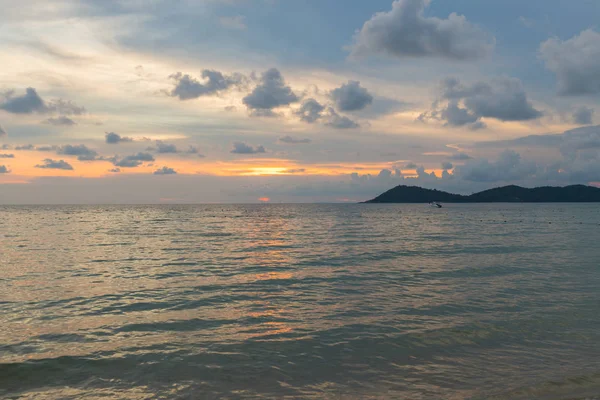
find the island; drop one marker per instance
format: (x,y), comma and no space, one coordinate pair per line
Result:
(505,194)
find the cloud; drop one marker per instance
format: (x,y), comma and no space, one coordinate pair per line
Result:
(382,106)
(447,165)
(583,116)
(295,171)
(114,138)
(509,167)
(236,22)
(30,147)
(64,107)
(7,156)
(192,150)
(4,169)
(579,140)
(25,147)
(46,148)
(271,93)
(310,111)
(61,121)
(411,165)
(82,152)
(406,32)
(454,115)
(335,120)
(133,161)
(115,170)
(291,140)
(53,164)
(575,62)
(165,171)
(28,103)
(164,148)
(351,97)
(2,131)
(569,142)
(460,157)
(243,148)
(31,102)
(503,99)
(187,87)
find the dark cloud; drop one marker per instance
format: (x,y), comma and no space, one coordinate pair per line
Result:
(127,163)
(61,121)
(133,161)
(583,116)
(310,111)
(460,157)
(31,102)
(503,99)
(411,165)
(406,32)
(291,140)
(4,169)
(53,164)
(187,87)
(335,120)
(82,152)
(447,165)
(575,62)
(25,147)
(271,93)
(295,171)
(28,103)
(6,147)
(165,171)
(164,148)
(114,138)
(115,170)
(2,131)
(508,168)
(454,115)
(46,148)
(7,156)
(351,97)
(243,148)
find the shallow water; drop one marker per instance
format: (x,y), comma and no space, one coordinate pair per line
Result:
(495,301)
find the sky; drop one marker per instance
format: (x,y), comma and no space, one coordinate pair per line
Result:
(282,101)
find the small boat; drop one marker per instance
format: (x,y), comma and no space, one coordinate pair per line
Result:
(435,204)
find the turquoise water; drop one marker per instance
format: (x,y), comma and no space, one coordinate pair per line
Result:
(495,301)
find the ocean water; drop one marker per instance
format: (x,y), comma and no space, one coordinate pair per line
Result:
(497,301)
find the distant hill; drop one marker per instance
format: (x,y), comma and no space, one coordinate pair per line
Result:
(506,194)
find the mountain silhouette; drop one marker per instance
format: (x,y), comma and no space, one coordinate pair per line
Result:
(505,194)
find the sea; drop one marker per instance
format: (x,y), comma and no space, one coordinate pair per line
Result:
(269,301)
